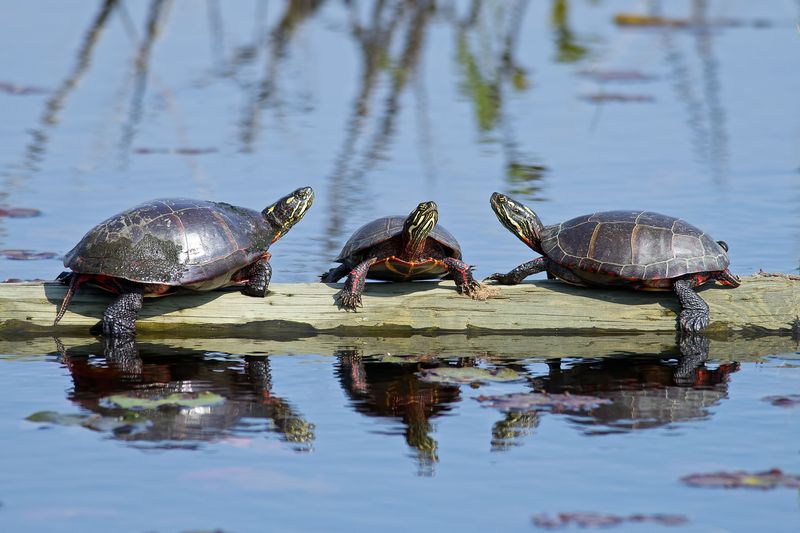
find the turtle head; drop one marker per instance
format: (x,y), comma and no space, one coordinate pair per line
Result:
(418,225)
(519,219)
(288,211)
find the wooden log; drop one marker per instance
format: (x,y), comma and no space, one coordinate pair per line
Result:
(762,303)
(733,347)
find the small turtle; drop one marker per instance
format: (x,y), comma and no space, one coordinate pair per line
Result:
(156,247)
(401,249)
(636,249)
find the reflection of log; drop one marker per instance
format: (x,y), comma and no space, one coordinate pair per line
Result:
(490,347)
(761,303)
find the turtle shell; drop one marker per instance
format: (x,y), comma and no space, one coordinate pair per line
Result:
(174,241)
(385,228)
(635,245)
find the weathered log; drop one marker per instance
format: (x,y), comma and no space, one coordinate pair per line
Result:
(762,303)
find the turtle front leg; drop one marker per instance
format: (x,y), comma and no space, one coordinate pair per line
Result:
(694,315)
(462,275)
(335,274)
(540,264)
(350,296)
(119,318)
(259,275)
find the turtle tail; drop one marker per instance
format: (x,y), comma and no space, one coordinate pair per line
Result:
(75,281)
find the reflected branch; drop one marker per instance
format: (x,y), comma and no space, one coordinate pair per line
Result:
(36,150)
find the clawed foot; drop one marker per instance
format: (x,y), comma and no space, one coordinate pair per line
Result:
(477,290)
(693,320)
(348,301)
(505,279)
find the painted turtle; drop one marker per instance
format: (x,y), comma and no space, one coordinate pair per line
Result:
(158,246)
(400,249)
(636,249)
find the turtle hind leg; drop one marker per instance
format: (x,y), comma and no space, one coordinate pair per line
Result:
(335,274)
(119,318)
(540,264)
(349,298)
(258,277)
(694,314)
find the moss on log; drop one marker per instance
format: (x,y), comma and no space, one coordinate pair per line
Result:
(761,304)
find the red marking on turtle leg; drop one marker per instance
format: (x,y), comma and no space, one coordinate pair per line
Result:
(75,281)
(350,296)
(462,275)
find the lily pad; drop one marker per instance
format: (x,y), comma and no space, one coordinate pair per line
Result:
(182,399)
(51,417)
(769,479)
(533,401)
(598,520)
(459,375)
(787,400)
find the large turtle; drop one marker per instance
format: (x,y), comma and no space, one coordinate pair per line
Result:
(401,248)
(637,249)
(158,246)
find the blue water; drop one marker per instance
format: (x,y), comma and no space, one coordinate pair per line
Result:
(379,110)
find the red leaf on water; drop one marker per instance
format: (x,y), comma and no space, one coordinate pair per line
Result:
(531,401)
(26,255)
(787,400)
(769,479)
(19,212)
(597,520)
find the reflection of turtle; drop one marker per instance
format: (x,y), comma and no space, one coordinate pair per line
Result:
(636,249)
(393,390)
(148,400)
(644,392)
(400,249)
(153,248)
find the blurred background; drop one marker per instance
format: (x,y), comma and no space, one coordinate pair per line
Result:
(687,107)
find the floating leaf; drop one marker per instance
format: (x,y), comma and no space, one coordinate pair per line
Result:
(125,424)
(532,401)
(788,400)
(597,520)
(769,479)
(51,417)
(26,255)
(19,212)
(452,374)
(182,399)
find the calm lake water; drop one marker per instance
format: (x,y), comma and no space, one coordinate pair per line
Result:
(379,106)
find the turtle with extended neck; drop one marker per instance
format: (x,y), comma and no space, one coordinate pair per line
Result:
(162,245)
